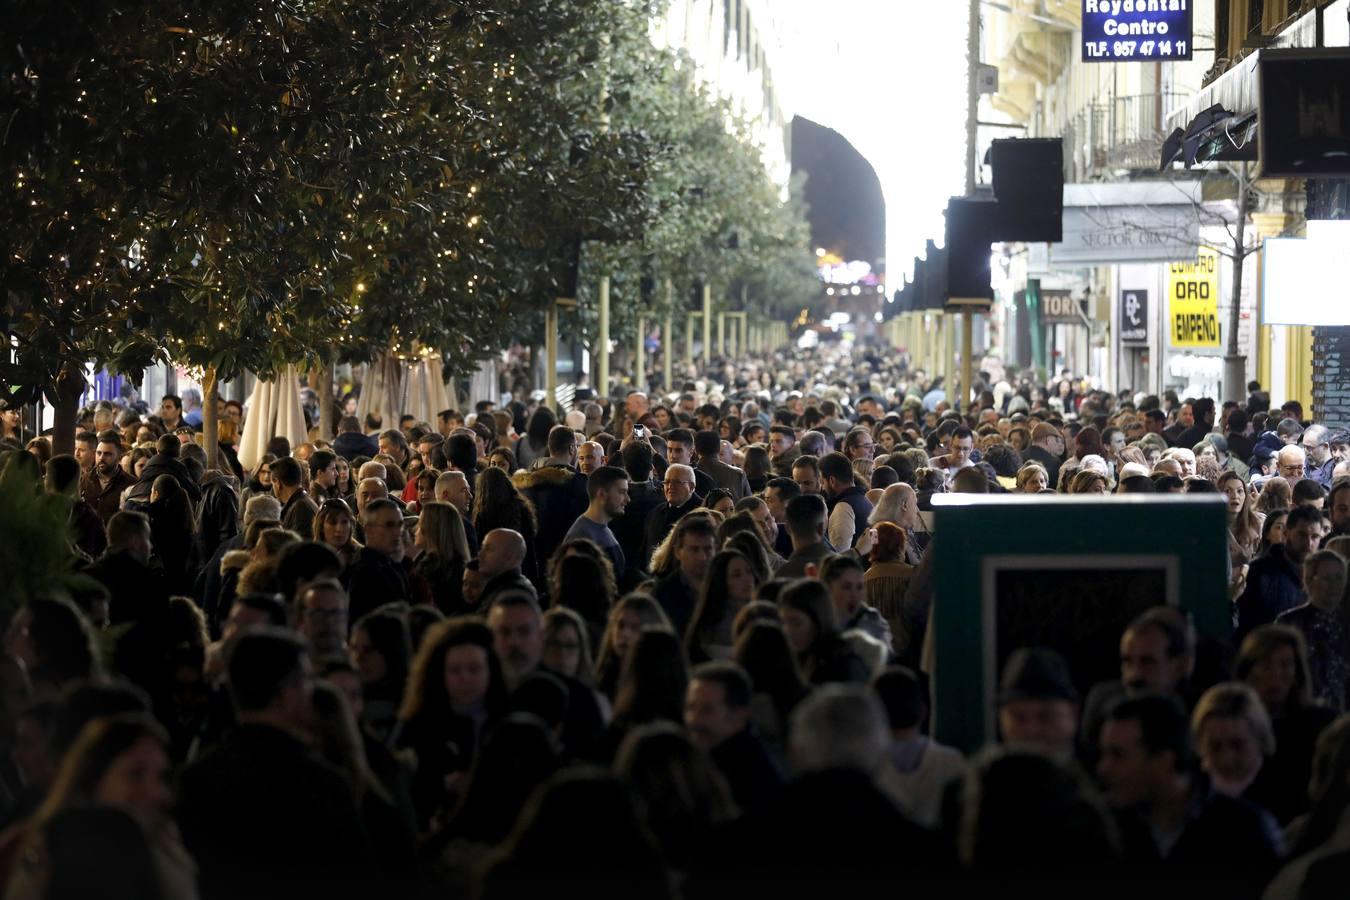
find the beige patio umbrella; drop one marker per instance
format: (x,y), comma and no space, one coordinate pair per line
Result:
(273,410)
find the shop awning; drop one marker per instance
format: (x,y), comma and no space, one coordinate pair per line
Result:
(1219,122)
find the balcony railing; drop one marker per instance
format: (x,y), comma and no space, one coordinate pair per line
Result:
(1117,135)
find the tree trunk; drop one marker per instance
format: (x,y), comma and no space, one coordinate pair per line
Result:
(324,375)
(69,386)
(210,429)
(1234,362)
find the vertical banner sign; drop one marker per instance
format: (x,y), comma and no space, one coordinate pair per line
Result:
(1134,317)
(1193,300)
(1139,30)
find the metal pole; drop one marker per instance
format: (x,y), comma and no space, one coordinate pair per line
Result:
(688,341)
(967,361)
(722,334)
(972,148)
(600,353)
(972,93)
(551,354)
(668,340)
(707,324)
(639,368)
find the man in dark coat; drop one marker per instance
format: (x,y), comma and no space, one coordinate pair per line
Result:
(831,831)
(165,462)
(102,488)
(134,585)
(298,509)
(499,565)
(717,716)
(378,576)
(729,478)
(678,488)
(1275,578)
(644,497)
(1177,831)
(693,544)
(518,635)
(1047,448)
(1202,412)
(351,443)
(557,490)
(261,814)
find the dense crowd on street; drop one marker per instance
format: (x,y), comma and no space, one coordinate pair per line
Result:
(662,645)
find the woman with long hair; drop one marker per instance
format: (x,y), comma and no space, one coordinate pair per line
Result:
(682,794)
(720,500)
(1244,525)
(345,485)
(444,553)
(581,579)
(339,743)
(518,755)
(171,533)
(762,649)
(1275,494)
(117,763)
(534,444)
(813,633)
(503,458)
(567,645)
(335,526)
(498,503)
(887,580)
(456,692)
(651,687)
(1272,530)
(749,544)
(758,467)
(1273,661)
(626,621)
(730,585)
(381,650)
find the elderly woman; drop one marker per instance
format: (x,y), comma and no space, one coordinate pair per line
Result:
(887,579)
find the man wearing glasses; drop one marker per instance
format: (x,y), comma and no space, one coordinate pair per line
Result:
(678,488)
(377,576)
(1316,442)
(1291,463)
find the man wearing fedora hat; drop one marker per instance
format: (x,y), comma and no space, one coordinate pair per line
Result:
(1037,702)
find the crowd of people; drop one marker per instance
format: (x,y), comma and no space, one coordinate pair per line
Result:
(664,646)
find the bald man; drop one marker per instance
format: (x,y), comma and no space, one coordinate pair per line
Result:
(369,489)
(499,562)
(636,405)
(590,456)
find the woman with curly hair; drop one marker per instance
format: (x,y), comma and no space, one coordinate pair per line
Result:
(456,692)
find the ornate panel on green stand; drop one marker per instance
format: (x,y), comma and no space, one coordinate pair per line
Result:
(1067,572)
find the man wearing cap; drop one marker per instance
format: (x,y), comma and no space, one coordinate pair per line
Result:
(1047,448)
(1037,702)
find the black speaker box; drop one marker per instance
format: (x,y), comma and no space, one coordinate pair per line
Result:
(1029,188)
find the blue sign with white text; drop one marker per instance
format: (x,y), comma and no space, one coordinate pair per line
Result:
(1136,30)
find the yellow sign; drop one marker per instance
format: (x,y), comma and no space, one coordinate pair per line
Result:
(1193,301)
